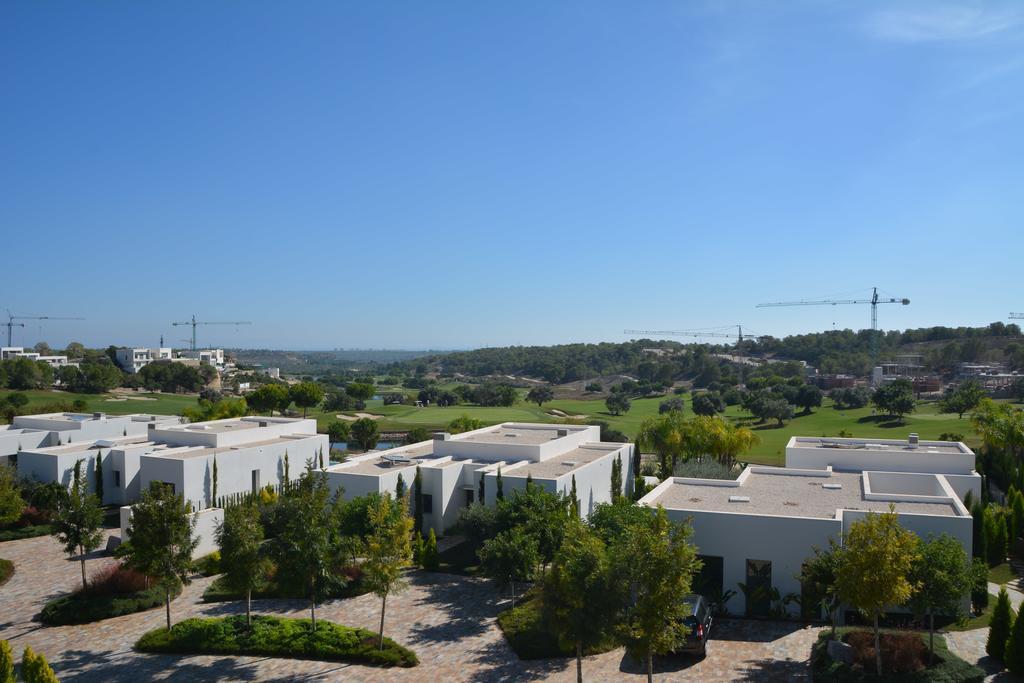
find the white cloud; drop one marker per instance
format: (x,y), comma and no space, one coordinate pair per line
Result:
(937,22)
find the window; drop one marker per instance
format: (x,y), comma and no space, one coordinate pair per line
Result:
(428,504)
(469,497)
(117,479)
(758,588)
(255,481)
(710,580)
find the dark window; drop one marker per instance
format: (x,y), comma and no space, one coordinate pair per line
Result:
(428,504)
(758,588)
(117,479)
(255,481)
(709,582)
(469,497)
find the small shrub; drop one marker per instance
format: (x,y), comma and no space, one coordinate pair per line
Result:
(34,668)
(429,558)
(6,662)
(705,469)
(947,667)
(209,565)
(103,600)
(6,571)
(115,579)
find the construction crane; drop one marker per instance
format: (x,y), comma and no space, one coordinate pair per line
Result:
(874,301)
(195,323)
(1017,316)
(10,324)
(738,336)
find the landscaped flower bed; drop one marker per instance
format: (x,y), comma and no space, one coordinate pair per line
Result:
(112,592)
(350,587)
(904,658)
(530,638)
(276,637)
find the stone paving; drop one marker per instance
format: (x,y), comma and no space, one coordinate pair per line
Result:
(448,620)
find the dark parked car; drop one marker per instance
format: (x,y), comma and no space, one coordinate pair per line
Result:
(698,620)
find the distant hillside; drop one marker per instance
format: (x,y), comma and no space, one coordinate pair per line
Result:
(323,362)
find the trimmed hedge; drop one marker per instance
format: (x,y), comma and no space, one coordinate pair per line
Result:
(948,668)
(81,608)
(276,637)
(530,638)
(6,571)
(30,531)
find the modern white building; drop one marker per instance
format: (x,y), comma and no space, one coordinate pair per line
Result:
(452,467)
(249,452)
(132,360)
(759,529)
(11,352)
(214,357)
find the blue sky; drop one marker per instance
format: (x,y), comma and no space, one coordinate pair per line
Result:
(458,174)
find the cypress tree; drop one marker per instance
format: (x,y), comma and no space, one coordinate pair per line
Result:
(1002,537)
(287,478)
(1018,518)
(1013,655)
(483,478)
(321,457)
(431,558)
(978,519)
(99,475)
(417,502)
(400,487)
(616,478)
(999,626)
(529,480)
(969,500)
(214,480)
(575,498)
(498,492)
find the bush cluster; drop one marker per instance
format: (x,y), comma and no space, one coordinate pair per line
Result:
(113,591)
(947,667)
(276,637)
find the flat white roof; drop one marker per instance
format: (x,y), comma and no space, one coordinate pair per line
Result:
(878,445)
(773,491)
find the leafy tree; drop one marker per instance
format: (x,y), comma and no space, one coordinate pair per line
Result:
(400,488)
(807,397)
(11,502)
(265,399)
(303,545)
(431,559)
(1001,426)
(161,539)
(417,434)
(77,525)
(617,404)
(361,391)
(593,387)
(653,564)
(819,577)
(708,403)
(666,436)
(669,405)
(388,551)
(34,668)
(306,395)
(540,395)
(509,557)
(616,479)
(464,423)
(339,401)
(896,398)
(18,399)
(365,433)
(1013,653)
(999,626)
(942,574)
(578,599)
(499,491)
(338,432)
(240,536)
(963,399)
(874,568)
(6,662)
(777,409)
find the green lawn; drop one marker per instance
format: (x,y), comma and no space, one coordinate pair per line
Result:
(1001,574)
(114,404)
(980,621)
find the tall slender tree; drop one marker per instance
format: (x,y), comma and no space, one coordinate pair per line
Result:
(240,536)
(77,525)
(161,540)
(499,493)
(417,502)
(99,475)
(388,551)
(574,499)
(999,626)
(616,480)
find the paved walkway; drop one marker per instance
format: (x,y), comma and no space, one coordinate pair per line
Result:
(448,620)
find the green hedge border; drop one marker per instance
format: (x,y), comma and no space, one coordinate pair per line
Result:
(77,608)
(21,533)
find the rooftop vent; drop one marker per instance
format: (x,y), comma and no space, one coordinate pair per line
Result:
(151,425)
(563,432)
(570,463)
(912,440)
(833,487)
(264,423)
(739,499)
(442,436)
(97,416)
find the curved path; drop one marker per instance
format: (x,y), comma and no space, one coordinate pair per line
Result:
(448,620)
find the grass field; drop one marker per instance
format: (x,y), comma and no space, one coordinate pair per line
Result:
(824,421)
(162,404)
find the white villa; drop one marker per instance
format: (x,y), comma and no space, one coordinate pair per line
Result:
(452,467)
(759,529)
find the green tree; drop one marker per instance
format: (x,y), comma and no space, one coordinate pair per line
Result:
(306,395)
(161,540)
(963,399)
(400,488)
(431,560)
(78,520)
(942,575)
(11,502)
(34,668)
(464,423)
(708,404)
(653,564)
(616,479)
(1000,425)
(511,556)
(417,502)
(669,405)
(807,397)
(240,536)
(540,395)
(303,545)
(574,498)
(618,404)
(267,398)
(874,568)
(18,400)
(896,398)
(666,436)
(361,391)
(999,626)
(99,475)
(388,551)
(1013,653)
(818,577)
(365,432)
(338,432)
(417,434)
(578,598)
(499,492)
(6,662)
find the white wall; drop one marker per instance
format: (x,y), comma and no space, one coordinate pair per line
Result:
(856,460)
(205,530)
